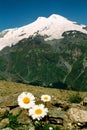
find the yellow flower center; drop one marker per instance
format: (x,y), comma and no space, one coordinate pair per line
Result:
(38,111)
(45,98)
(26,100)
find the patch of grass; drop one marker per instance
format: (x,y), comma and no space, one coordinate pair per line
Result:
(75,98)
(13,123)
(46,127)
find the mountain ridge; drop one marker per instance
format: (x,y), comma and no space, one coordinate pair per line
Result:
(53,27)
(57,63)
(57,60)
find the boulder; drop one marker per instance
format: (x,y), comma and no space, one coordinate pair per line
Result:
(76,117)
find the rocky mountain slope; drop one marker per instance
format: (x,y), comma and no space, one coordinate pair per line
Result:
(55,63)
(67,109)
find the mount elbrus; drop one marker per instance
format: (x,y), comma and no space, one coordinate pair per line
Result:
(50,52)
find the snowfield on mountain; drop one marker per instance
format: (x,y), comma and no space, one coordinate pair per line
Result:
(53,27)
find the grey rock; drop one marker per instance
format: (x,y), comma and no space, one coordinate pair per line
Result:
(15,111)
(77,115)
(58,121)
(85,101)
(75,118)
(7,128)
(4,123)
(4,111)
(23,118)
(56,113)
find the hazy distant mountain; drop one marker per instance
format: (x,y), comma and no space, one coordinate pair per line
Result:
(51,52)
(53,27)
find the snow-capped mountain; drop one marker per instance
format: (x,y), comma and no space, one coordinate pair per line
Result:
(53,27)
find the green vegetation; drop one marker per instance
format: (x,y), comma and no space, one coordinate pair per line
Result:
(46,127)
(13,123)
(75,98)
(56,63)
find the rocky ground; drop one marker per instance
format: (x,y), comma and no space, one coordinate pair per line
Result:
(65,111)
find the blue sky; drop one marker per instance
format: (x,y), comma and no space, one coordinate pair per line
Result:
(16,13)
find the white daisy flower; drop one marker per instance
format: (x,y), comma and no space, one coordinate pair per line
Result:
(26,100)
(38,112)
(46,98)
(50,128)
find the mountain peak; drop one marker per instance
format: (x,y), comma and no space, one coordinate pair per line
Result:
(56,16)
(53,26)
(41,18)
